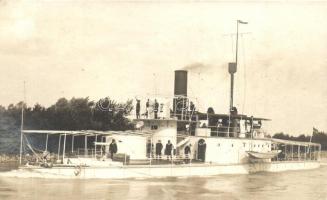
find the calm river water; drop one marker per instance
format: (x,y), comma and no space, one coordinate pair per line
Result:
(296,185)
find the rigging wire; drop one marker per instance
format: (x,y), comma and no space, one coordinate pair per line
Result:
(29,145)
(32,149)
(244,74)
(232,45)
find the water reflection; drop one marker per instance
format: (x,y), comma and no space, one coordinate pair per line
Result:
(311,184)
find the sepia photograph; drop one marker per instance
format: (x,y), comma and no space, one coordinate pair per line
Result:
(165,100)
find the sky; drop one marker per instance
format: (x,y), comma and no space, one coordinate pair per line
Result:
(131,49)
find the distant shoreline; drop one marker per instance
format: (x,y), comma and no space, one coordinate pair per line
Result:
(8,162)
(4,158)
(324,156)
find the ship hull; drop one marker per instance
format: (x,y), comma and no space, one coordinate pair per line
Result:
(159,171)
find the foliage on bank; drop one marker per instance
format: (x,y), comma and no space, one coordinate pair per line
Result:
(83,114)
(73,114)
(317,137)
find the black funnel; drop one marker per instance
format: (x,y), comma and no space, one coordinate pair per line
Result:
(180,82)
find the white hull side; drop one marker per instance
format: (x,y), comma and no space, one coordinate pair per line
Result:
(167,171)
(284,166)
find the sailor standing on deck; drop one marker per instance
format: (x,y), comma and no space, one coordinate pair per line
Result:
(156,108)
(187,151)
(161,110)
(158,149)
(168,150)
(138,107)
(112,148)
(192,108)
(149,149)
(147,105)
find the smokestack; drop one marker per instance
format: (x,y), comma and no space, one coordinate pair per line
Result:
(180,82)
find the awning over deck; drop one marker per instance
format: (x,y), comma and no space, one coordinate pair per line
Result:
(62,132)
(290,142)
(84,132)
(227,116)
(165,120)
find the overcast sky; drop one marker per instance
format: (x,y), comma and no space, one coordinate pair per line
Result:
(122,50)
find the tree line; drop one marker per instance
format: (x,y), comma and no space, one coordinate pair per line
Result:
(84,114)
(317,137)
(73,114)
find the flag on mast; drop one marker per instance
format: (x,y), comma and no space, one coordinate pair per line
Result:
(315,130)
(242,22)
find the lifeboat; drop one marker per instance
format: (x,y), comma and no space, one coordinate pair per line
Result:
(263,155)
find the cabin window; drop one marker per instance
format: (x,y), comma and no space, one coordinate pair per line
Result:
(262,145)
(254,145)
(268,145)
(232,145)
(218,145)
(154,127)
(244,144)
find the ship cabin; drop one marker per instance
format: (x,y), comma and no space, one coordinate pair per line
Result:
(224,137)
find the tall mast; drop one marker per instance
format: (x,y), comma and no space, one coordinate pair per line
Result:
(232,67)
(21,130)
(236,54)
